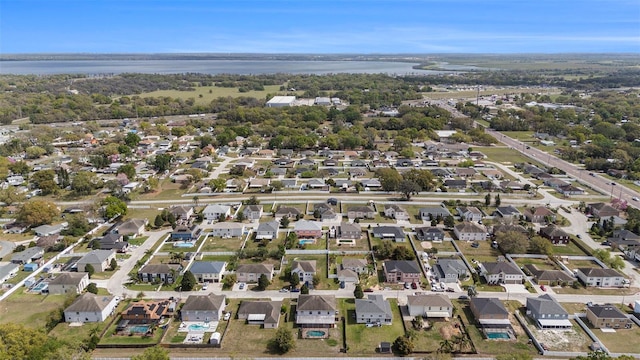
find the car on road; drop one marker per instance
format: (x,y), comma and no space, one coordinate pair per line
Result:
(332,201)
(284,290)
(368,290)
(227,316)
(451,290)
(296,290)
(463,297)
(605,243)
(592,174)
(543,288)
(528,147)
(635,198)
(613,184)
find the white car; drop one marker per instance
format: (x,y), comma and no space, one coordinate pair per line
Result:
(227,316)
(635,198)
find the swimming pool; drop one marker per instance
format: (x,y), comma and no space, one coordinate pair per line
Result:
(139,329)
(498,335)
(41,286)
(316,333)
(184,244)
(198,327)
(306,241)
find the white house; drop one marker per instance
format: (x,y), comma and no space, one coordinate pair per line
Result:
(227,229)
(216,211)
(470,231)
(430,306)
(305,269)
(90,308)
(203,308)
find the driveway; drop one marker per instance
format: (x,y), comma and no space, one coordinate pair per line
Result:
(6,248)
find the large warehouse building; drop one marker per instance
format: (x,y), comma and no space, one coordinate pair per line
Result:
(281,101)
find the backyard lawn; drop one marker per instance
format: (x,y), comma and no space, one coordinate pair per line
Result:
(362,340)
(31,310)
(361,244)
(621,341)
(215,244)
(483,253)
(434,331)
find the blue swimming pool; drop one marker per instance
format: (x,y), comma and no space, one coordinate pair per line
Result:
(316,333)
(40,286)
(498,335)
(306,241)
(139,329)
(198,327)
(184,244)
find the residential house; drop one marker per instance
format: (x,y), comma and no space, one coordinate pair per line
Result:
(46,242)
(466,172)
(147,312)
(186,233)
(252,212)
(431,233)
(267,230)
(510,185)
(324,212)
(216,212)
(112,241)
(90,308)
(47,230)
(539,215)
(100,260)
(501,272)
(602,210)
(164,273)
(454,184)
(305,269)
(286,211)
(394,211)
(501,228)
(182,212)
(470,231)
(469,213)
(432,212)
(348,231)
(394,233)
(68,283)
(361,212)
(430,306)
(8,271)
(490,312)
(359,266)
(33,254)
(450,270)
(406,271)
(305,229)
(132,227)
(208,271)
(549,277)
(227,229)
(569,190)
(608,316)
(548,313)
(507,212)
(264,313)
(600,277)
(373,310)
(555,234)
(250,273)
(316,311)
(203,308)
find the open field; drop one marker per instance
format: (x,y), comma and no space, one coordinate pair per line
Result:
(31,310)
(203,95)
(542,264)
(483,253)
(505,155)
(621,341)
(361,244)
(219,244)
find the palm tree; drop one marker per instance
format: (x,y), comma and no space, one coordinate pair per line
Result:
(196,200)
(446,346)
(464,343)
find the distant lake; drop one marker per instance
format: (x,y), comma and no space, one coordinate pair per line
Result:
(244,67)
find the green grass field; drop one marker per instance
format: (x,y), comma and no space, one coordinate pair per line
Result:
(205,94)
(505,155)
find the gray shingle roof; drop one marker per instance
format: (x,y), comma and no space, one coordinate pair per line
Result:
(545,304)
(271,310)
(607,311)
(502,266)
(207,267)
(316,302)
(404,266)
(429,300)
(308,266)
(88,302)
(209,302)
(489,306)
(68,278)
(374,304)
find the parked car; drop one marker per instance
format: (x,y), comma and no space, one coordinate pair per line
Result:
(332,201)
(414,285)
(227,316)
(342,285)
(204,287)
(635,198)
(407,285)
(368,290)
(543,288)
(605,243)
(475,245)
(284,290)
(450,290)
(296,290)
(241,286)
(463,297)
(579,236)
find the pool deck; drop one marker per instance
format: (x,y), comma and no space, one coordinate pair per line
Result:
(213,325)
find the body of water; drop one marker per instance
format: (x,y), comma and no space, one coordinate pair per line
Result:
(243,67)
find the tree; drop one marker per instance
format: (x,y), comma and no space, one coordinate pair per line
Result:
(20,168)
(408,188)
(114,207)
(402,253)
(358,293)
(129,170)
(384,250)
(389,179)
(497,200)
(132,140)
(403,345)
(78,225)
(37,212)
(158,221)
(152,184)
(89,269)
(304,289)
(188,281)
(471,291)
(263,282)
(92,288)
(512,242)
(11,195)
(446,346)
(284,222)
(85,182)
(449,221)
(315,280)
(218,184)
(229,280)
(283,342)
(540,245)
(152,353)
(417,322)
(45,181)
(162,162)
(487,200)
(294,279)
(113,264)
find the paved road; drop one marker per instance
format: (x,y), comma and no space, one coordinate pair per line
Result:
(596,182)
(6,248)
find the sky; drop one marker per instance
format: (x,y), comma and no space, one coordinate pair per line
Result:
(323,27)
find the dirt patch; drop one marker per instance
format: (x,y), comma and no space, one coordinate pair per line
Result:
(426,245)
(562,340)
(449,331)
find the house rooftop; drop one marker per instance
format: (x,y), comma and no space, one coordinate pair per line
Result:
(429,300)
(316,302)
(208,302)
(89,302)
